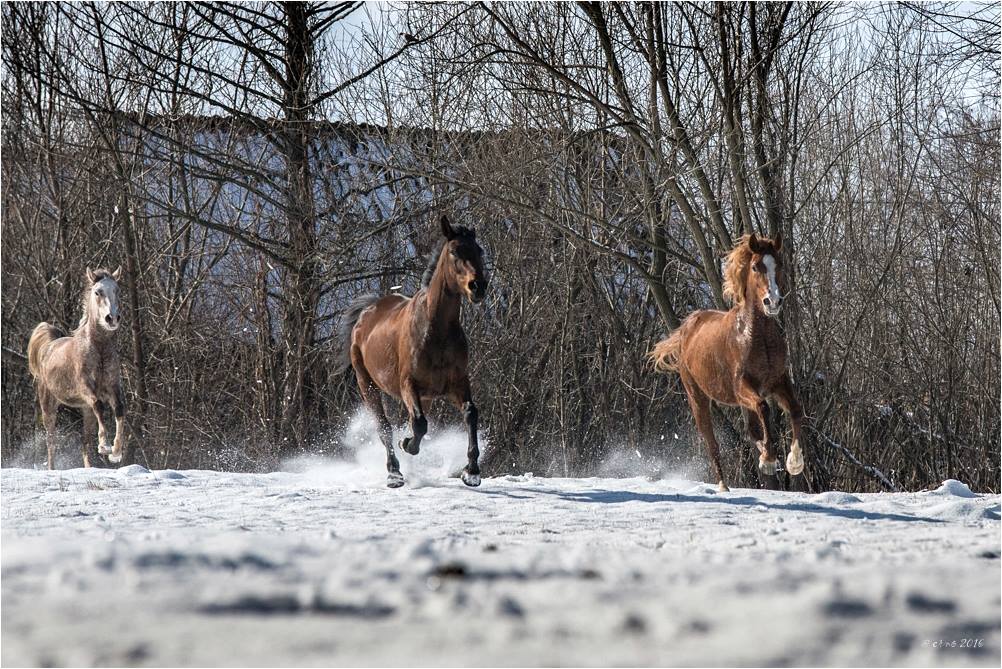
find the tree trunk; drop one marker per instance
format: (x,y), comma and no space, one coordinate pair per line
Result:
(301,289)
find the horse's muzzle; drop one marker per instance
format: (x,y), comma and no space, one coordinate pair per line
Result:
(772,307)
(478,290)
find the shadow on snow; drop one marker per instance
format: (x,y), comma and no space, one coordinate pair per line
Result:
(622,496)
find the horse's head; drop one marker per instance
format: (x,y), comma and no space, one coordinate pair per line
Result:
(463,261)
(102,297)
(766,264)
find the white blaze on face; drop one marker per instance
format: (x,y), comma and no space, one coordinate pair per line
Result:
(105,294)
(775,297)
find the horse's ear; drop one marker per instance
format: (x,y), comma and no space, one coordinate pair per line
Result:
(447,230)
(90,276)
(777,241)
(117,274)
(755,244)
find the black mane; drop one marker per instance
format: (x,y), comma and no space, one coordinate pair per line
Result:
(461,232)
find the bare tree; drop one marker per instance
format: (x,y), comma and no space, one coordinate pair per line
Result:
(255,166)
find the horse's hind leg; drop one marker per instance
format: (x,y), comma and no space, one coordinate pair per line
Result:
(394,479)
(700,405)
(372,399)
(463,399)
(419,422)
(89,428)
(49,413)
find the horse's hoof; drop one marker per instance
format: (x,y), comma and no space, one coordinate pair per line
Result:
(114,458)
(722,487)
(408,446)
(767,468)
(395,480)
(472,480)
(795,463)
(104,449)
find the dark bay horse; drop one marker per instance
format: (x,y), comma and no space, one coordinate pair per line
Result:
(738,357)
(82,370)
(414,348)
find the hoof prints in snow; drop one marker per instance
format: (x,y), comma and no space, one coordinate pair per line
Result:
(177,559)
(848,608)
(286,604)
(919,603)
(457,570)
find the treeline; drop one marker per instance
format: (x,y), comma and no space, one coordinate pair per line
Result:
(253,167)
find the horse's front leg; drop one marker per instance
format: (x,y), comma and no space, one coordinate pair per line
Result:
(97,407)
(757,423)
(757,412)
(419,423)
(463,400)
(787,400)
(118,406)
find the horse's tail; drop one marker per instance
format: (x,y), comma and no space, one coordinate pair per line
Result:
(342,342)
(40,336)
(666,353)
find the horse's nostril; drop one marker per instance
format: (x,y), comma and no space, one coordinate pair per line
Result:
(108,318)
(766,301)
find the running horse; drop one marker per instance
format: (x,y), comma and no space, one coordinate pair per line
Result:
(82,370)
(738,357)
(414,348)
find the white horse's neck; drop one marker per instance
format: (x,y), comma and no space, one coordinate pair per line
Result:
(90,326)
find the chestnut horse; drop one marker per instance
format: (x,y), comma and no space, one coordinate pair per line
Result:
(738,357)
(414,348)
(82,370)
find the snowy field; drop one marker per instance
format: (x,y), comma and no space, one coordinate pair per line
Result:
(325,566)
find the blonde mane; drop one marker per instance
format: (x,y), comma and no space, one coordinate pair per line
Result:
(736,268)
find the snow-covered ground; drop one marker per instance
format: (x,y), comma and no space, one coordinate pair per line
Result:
(325,566)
